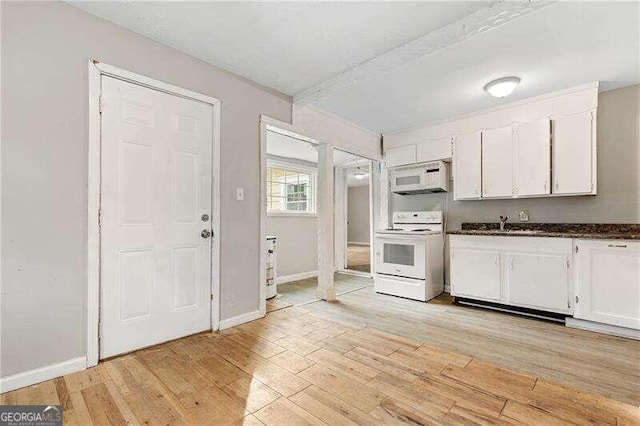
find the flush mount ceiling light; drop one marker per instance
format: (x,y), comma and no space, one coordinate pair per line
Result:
(359,175)
(502,87)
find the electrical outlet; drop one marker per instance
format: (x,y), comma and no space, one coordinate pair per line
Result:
(239,194)
(524,216)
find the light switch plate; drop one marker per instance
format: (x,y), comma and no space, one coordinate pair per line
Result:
(239,194)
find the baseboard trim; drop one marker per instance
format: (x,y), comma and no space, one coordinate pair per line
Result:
(597,327)
(37,375)
(240,319)
(356,243)
(296,277)
(447,288)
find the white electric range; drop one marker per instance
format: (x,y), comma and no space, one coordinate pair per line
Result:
(409,256)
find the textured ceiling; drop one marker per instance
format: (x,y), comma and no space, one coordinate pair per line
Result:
(385,84)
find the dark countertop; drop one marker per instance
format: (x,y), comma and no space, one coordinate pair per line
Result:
(600,231)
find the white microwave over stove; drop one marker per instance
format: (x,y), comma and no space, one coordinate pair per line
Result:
(420,178)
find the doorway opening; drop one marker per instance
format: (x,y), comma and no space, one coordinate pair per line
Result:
(356,180)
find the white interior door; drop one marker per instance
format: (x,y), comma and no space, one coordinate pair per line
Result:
(156,171)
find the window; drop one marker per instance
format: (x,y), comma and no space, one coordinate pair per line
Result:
(290,188)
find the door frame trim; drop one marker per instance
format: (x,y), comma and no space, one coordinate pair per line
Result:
(96,70)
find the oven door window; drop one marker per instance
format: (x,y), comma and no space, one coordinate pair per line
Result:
(399,254)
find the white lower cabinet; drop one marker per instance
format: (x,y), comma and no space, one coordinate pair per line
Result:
(476,273)
(538,281)
(608,282)
(528,272)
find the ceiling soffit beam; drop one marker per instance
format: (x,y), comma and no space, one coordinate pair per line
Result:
(483,20)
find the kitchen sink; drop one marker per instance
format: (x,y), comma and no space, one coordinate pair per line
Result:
(521,231)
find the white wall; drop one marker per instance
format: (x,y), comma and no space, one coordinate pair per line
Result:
(618,199)
(338,132)
(358,230)
(297,243)
(45,49)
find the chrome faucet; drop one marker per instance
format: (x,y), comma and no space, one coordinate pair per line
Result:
(503,221)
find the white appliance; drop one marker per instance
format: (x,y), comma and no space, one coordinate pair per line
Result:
(409,256)
(420,178)
(272,288)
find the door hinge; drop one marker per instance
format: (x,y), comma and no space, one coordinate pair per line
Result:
(577,299)
(100,104)
(576,249)
(99,218)
(567,263)
(212,297)
(99,330)
(568,304)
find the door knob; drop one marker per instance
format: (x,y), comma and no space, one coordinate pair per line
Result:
(205,233)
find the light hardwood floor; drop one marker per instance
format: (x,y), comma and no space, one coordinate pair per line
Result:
(580,359)
(304,291)
(294,367)
(358,258)
(297,367)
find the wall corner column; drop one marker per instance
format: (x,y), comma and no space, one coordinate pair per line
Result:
(326,286)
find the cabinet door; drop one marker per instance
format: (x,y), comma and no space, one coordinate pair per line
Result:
(475,274)
(608,282)
(467,159)
(533,158)
(497,163)
(401,156)
(434,149)
(573,154)
(538,281)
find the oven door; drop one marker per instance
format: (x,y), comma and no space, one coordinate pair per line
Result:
(400,255)
(412,179)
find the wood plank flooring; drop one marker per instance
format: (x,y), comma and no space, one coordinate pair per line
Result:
(296,367)
(358,258)
(607,365)
(304,291)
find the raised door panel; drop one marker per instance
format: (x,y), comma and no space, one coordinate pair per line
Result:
(475,274)
(434,149)
(497,163)
(400,156)
(156,174)
(608,282)
(573,154)
(467,166)
(533,158)
(538,281)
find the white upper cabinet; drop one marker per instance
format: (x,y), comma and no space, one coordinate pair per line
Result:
(400,156)
(497,162)
(574,154)
(467,165)
(434,149)
(533,158)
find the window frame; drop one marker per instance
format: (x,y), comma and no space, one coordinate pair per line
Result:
(313,183)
